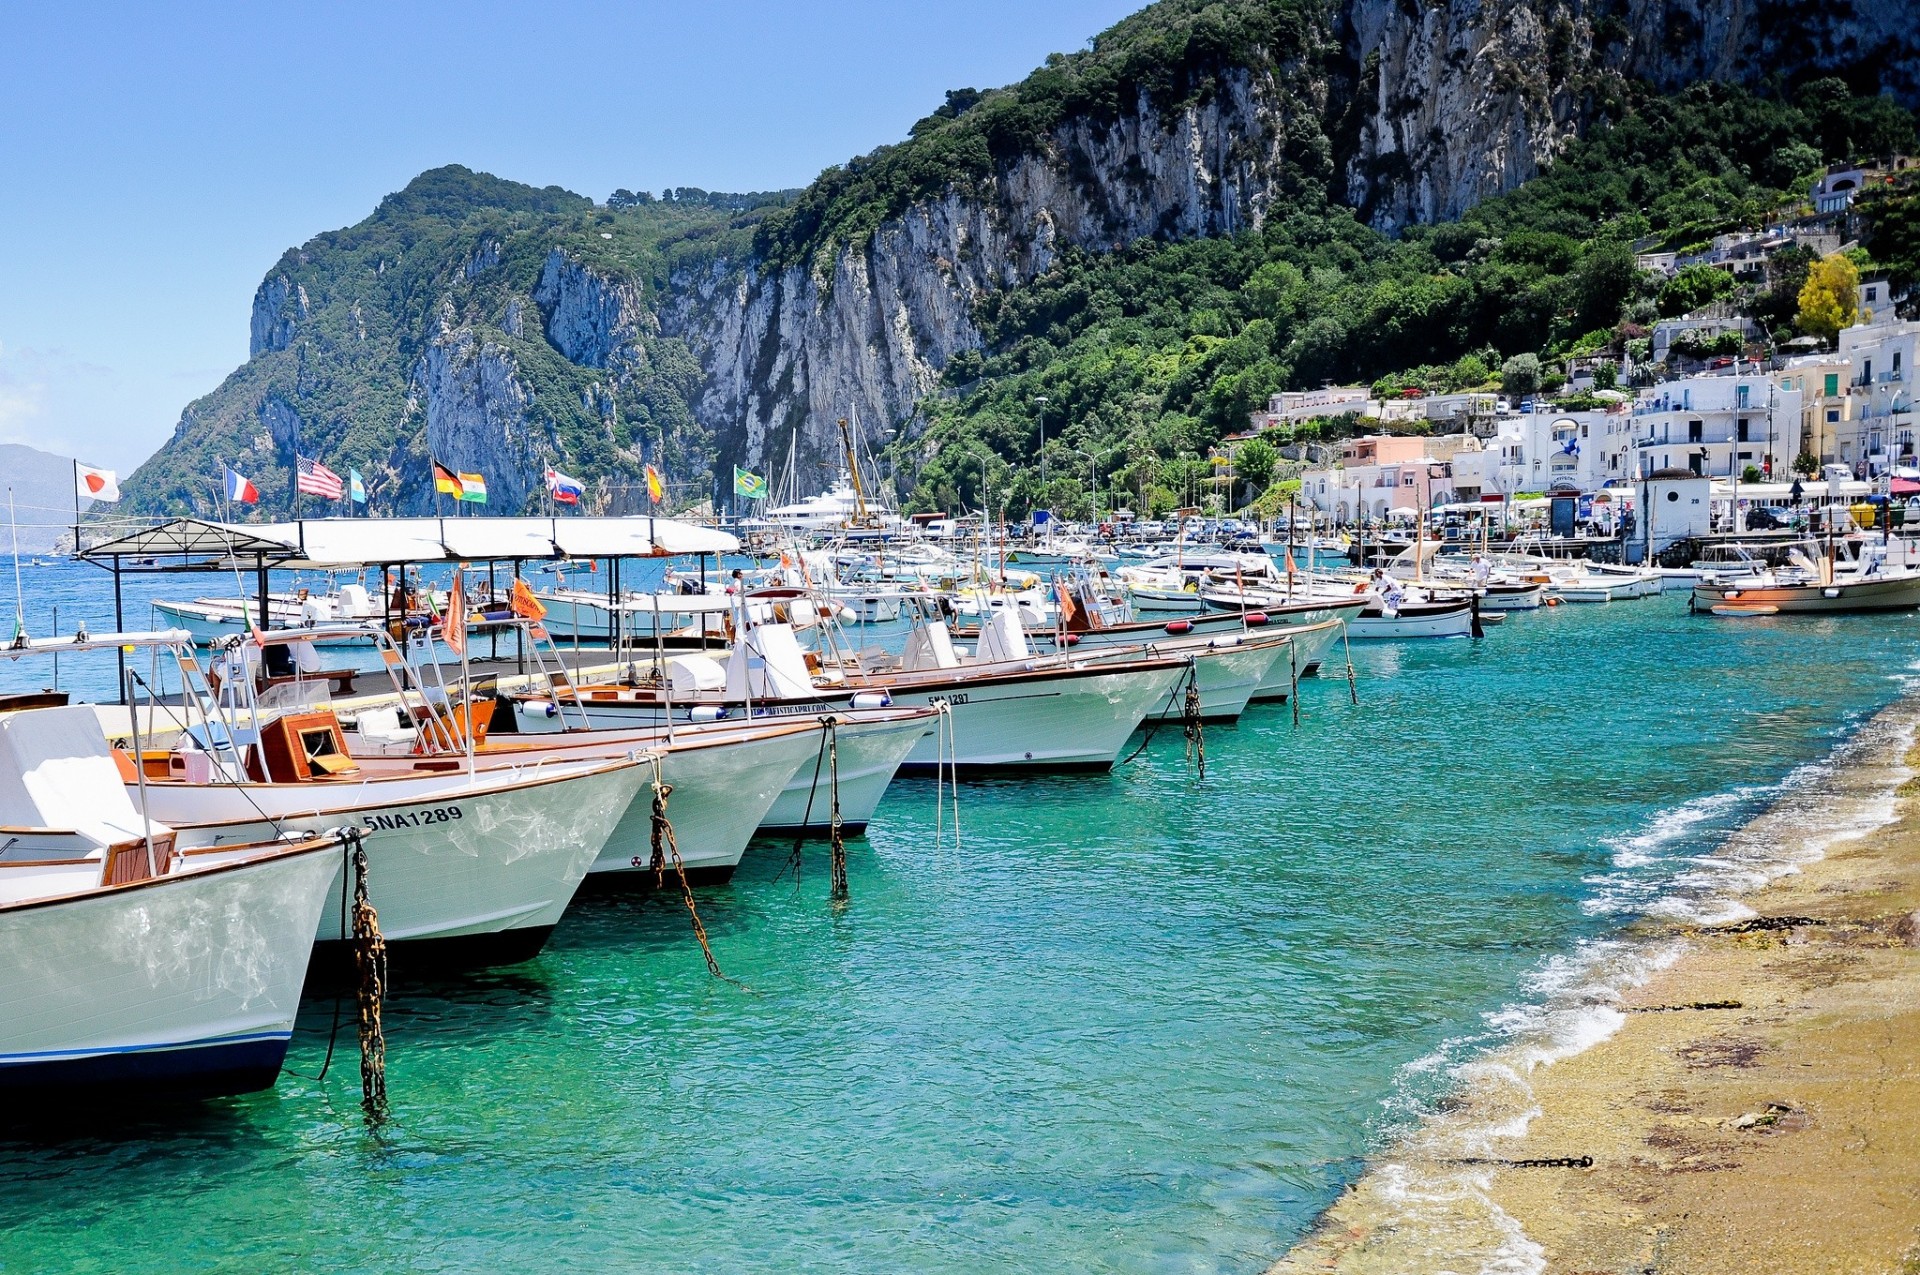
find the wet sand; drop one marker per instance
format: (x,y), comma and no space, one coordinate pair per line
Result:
(1756,1107)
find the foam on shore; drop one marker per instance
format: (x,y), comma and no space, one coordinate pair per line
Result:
(1425,1204)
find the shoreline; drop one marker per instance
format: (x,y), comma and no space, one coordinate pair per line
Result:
(1735,1076)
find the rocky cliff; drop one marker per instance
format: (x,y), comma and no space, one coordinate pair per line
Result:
(502,328)
(1420,109)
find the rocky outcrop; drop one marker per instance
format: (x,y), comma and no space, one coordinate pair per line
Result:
(475,406)
(277,304)
(1440,105)
(593,320)
(789,352)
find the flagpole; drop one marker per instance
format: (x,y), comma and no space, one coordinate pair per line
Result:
(76,507)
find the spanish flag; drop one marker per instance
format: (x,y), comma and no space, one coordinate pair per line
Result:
(656,490)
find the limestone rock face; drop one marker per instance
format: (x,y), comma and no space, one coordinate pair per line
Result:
(591,319)
(272,323)
(1449,102)
(475,405)
(789,352)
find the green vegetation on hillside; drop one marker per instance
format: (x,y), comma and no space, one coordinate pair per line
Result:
(1172,52)
(453,249)
(1137,361)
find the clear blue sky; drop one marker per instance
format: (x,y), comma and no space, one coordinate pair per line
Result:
(156,159)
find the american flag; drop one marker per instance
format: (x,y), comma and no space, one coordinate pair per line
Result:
(316,479)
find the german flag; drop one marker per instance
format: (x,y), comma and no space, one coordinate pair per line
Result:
(446,482)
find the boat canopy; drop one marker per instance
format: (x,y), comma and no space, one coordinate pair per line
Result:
(365,542)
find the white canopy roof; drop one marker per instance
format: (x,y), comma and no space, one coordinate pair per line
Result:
(357,542)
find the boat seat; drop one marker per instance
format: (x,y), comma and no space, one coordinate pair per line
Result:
(381,728)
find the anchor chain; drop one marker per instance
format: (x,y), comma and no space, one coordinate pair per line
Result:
(838,890)
(663,839)
(370,962)
(1190,717)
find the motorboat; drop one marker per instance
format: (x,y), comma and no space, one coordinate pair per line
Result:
(1010,708)
(134,970)
(476,863)
(853,754)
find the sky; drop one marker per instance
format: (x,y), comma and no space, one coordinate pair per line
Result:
(156,159)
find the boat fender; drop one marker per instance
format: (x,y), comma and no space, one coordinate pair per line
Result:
(706,713)
(1255,618)
(1553,602)
(871,699)
(1179,626)
(539,708)
(1070,639)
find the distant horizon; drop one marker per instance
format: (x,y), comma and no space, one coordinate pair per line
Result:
(161,163)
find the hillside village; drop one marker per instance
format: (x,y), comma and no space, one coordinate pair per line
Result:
(1710,391)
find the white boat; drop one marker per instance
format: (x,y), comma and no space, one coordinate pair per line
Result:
(1892,591)
(476,864)
(130,970)
(1381,622)
(1020,712)
(871,745)
(212,620)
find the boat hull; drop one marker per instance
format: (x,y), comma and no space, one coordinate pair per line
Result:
(464,870)
(1893,593)
(1074,716)
(184,984)
(1448,620)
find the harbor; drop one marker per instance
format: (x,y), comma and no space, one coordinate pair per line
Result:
(1132,1020)
(1159,637)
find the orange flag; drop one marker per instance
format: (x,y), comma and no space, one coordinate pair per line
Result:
(453,628)
(525,605)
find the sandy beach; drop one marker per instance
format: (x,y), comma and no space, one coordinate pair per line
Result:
(1754,1104)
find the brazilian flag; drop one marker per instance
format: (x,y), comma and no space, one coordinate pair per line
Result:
(752,486)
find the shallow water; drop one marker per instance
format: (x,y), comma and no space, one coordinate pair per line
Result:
(1139,1022)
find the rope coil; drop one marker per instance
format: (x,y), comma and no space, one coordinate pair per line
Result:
(370,963)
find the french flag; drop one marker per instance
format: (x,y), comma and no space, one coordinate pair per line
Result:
(564,490)
(241,491)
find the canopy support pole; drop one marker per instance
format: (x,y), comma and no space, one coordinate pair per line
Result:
(120,626)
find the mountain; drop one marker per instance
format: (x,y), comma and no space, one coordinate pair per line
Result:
(41,484)
(502,328)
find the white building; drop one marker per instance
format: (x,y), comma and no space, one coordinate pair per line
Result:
(1881,355)
(1715,425)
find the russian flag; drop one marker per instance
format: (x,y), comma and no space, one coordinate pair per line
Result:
(564,490)
(239,490)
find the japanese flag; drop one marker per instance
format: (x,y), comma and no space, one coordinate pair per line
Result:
(95,484)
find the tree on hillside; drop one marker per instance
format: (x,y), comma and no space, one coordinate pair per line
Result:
(1831,299)
(1254,463)
(1692,288)
(1520,375)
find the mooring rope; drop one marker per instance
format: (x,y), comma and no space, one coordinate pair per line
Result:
(837,843)
(1157,716)
(663,840)
(1293,694)
(1190,719)
(946,769)
(1346,640)
(370,962)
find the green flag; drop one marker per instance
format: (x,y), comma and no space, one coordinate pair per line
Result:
(752,486)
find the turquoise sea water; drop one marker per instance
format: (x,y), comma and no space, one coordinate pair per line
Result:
(1133,1023)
